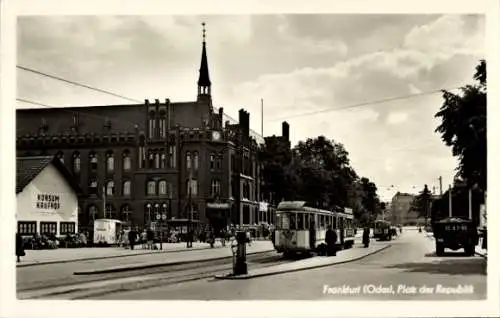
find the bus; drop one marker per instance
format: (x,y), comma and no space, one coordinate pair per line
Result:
(382,230)
(296,223)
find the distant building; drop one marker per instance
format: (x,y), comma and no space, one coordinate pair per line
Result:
(47,197)
(400,209)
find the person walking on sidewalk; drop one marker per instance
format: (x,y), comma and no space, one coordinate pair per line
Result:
(150,235)
(132,235)
(19,247)
(366,236)
(331,241)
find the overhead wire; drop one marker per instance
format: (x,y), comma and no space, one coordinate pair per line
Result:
(363,104)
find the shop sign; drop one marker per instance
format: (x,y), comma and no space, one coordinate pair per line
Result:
(48,201)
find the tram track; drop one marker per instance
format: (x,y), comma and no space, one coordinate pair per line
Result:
(89,286)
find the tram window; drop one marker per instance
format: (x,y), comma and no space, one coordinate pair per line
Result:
(285,221)
(293,219)
(328,221)
(334,219)
(307,224)
(300,221)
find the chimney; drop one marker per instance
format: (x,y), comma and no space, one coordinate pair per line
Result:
(221,114)
(285,130)
(247,124)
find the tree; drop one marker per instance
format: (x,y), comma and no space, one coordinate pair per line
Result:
(463,127)
(422,203)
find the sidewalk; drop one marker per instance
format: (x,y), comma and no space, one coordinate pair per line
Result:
(66,255)
(355,253)
(195,256)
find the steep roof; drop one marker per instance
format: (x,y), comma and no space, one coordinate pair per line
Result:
(204,79)
(27,168)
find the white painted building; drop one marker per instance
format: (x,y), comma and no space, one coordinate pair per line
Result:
(47,201)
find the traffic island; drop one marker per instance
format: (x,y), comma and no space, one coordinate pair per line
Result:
(345,256)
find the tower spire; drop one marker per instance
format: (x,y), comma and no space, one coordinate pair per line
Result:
(204,79)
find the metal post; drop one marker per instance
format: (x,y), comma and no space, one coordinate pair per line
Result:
(450,202)
(104,200)
(262,117)
(188,241)
(440,185)
(470,204)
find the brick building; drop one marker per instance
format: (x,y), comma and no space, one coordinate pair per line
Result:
(139,162)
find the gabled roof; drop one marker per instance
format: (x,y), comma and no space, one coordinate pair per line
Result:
(27,168)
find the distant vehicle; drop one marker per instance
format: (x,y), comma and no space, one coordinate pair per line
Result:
(293,228)
(107,231)
(455,233)
(382,230)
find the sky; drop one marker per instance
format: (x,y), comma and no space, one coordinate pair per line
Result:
(296,63)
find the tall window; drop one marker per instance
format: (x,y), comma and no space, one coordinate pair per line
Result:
(163,159)
(127,161)
(212,161)
(151,159)
(192,187)
(188,160)
(152,125)
(110,188)
(125,213)
(142,157)
(162,187)
(93,160)
(218,163)
(151,187)
(60,156)
(195,160)
(110,162)
(127,188)
(171,156)
(76,162)
(163,126)
(93,187)
(215,189)
(157,160)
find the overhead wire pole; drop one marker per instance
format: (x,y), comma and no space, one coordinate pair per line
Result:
(262,117)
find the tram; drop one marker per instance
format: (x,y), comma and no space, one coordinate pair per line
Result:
(302,229)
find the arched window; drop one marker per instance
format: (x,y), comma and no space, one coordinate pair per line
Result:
(169,190)
(93,187)
(152,124)
(110,162)
(157,160)
(151,159)
(163,159)
(60,156)
(192,187)
(151,187)
(195,160)
(218,162)
(188,160)
(127,161)
(212,161)
(162,187)
(110,211)
(76,162)
(171,156)
(110,188)
(127,188)
(93,160)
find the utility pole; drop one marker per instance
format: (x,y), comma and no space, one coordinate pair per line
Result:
(440,185)
(450,202)
(104,200)
(262,117)
(190,207)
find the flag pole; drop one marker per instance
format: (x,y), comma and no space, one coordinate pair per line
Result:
(450,202)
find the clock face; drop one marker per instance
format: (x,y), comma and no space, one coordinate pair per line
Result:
(216,135)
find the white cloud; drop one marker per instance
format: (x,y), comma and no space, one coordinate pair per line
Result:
(397,118)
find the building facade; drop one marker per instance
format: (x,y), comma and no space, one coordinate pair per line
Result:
(400,208)
(161,160)
(47,197)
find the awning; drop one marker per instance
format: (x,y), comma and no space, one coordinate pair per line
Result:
(219,206)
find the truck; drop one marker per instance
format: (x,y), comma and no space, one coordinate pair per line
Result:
(455,233)
(107,232)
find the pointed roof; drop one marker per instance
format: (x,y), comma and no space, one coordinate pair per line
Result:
(204,79)
(27,168)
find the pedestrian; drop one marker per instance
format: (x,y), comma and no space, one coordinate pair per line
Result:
(366,236)
(131,238)
(19,247)
(331,241)
(150,238)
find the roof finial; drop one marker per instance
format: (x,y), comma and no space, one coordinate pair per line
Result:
(204,31)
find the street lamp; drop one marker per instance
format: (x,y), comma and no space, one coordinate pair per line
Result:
(148,207)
